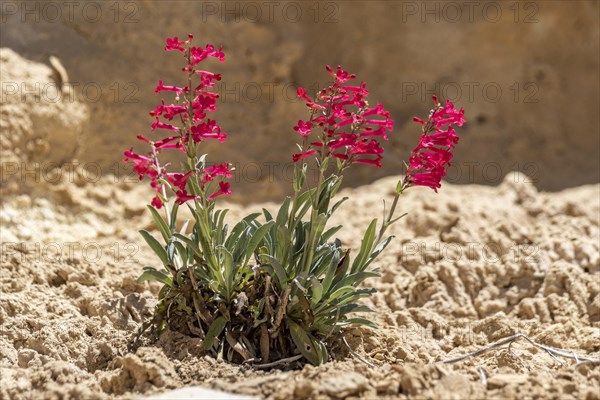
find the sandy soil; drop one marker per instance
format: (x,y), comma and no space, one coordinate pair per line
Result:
(468,267)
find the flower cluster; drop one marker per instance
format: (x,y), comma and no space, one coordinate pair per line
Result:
(191,106)
(430,159)
(348,127)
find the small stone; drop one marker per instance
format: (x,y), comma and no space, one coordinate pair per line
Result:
(500,380)
(25,356)
(344,385)
(304,390)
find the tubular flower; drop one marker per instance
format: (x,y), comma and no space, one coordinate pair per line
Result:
(223,189)
(174,44)
(430,159)
(341,111)
(190,108)
(216,170)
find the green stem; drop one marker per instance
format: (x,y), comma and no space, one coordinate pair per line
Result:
(389,218)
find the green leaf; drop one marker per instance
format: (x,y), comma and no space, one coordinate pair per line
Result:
(358,321)
(317,290)
(330,232)
(342,265)
(220,217)
(308,346)
(155,246)
(228,270)
(365,247)
(335,206)
(282,215)
(184,226)
(190,243)
(238,229)
(160,223)
(278,269)
(150,274)
(255,241)
(173,222)
(215,330)
(268,216)
(378,249)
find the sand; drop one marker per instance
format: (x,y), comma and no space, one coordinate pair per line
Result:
(469,266)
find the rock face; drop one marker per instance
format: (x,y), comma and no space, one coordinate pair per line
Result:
(527,74)
(41,123)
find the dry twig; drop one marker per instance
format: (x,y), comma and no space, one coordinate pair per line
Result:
(279,362)
(552,351)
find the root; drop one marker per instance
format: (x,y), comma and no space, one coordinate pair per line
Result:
(552,351)
(358,356)
(279,362)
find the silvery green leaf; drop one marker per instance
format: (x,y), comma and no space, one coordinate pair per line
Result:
(160,223)
(282,215)
(155,246)
(365,247)
(151,274)
(257,237)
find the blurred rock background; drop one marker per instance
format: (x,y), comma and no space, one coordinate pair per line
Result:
(527,74)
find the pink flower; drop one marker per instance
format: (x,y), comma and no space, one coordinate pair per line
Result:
(216,170)
(157,202)
(431,157)
(208,77)
(303,128)
(190,108)
(163,88)
(208,130)
(143,165)
(199,54)
(162,125)
(183,196)
(223,189)
(174,44)
(301,93)
(340,75)
(168,111)
(164,142)
(341,112)
(179,180)
(300,156)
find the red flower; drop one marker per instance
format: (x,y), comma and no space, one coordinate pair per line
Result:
(216,170)
(163,88)
(162,125)
(179,180)
(340,75)
(430,159)
(223,189)
(341,112)
(300,156)
(303,128)
(157,202)
(191,107)
(143,165)
(183,196)
(208,130)
(174,44)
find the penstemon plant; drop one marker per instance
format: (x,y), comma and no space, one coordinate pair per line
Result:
(273,287)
